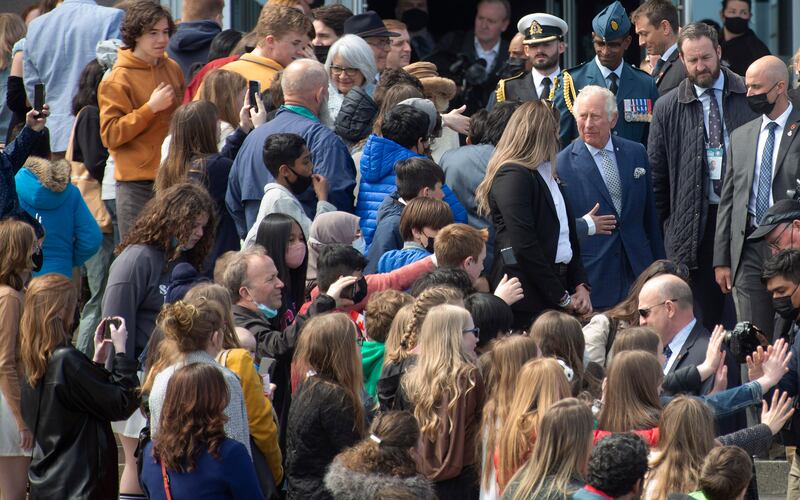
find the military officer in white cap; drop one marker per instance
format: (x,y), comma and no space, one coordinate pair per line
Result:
(544,44)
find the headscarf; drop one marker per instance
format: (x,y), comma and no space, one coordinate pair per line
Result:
(327,229)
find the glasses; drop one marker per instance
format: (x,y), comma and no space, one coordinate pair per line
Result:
(644,313)
(475,331)
(338,70)
(381,43)
(773,245)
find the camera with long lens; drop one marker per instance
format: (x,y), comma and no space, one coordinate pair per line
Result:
(744,339)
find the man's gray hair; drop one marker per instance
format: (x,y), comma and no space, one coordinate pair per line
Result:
(595,90)
(235,275)
(356,53)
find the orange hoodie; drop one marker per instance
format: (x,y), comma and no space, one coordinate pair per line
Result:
(130,130)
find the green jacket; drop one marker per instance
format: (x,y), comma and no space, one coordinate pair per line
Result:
(372,363)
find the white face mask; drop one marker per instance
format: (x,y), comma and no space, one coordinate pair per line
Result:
(360,245)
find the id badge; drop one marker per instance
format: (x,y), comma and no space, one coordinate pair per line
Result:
(714,160)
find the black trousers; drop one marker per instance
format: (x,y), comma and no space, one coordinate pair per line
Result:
(709,301)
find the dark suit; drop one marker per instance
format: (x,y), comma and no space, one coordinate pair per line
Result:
(614,261)
(693,353)
(671,73)
(517,88)
(450,47)
(745,258)
(524,217)
(633,84)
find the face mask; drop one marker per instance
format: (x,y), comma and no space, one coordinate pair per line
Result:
(267,311)
(415,19)
(300,184)
(38,260)
(429,245)
(736,25)
(321,52)
(295,255)
(361,245)
(784,307)
(760,104)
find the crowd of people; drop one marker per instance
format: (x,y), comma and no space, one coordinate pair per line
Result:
(292,263)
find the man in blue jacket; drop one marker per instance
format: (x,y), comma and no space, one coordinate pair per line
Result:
(406,132)
(305,90)
(614,172)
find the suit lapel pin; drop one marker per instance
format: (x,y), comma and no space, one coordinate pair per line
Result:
(791,129)
(638,172)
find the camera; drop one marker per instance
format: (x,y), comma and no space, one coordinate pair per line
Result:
(470,72)
(744,339)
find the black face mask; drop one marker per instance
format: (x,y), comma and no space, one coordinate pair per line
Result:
(321,52)
(736,25)
(429,246)
(760,104)
(300,184)
(415,19)
(38,260)
(784,307)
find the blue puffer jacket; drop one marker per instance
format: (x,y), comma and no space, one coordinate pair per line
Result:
(378,181)
(71,233)
(395,259)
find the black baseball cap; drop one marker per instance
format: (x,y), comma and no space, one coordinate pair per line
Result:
(781,211)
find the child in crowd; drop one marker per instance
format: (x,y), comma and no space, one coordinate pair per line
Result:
(421,221)
(289,161)
(378,315)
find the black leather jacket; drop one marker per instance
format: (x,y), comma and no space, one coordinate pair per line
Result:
(70,413)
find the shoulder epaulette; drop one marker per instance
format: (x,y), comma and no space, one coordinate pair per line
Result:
(500,92)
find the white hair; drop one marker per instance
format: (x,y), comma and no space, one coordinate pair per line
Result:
(595,90)
(356,54)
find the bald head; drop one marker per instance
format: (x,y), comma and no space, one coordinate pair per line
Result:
(669,287)
(771,68)
(305,82)
(769,77)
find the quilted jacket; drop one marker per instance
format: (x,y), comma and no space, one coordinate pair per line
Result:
(680,175)
(378,181)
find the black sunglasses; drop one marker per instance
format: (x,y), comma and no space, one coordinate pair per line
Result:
(644,313)
(475,331)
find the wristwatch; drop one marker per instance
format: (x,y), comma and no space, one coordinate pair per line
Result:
(566,300)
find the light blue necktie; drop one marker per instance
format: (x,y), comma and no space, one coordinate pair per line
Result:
(765,173)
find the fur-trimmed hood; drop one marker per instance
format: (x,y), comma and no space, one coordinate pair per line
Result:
(43,183)
(346,484)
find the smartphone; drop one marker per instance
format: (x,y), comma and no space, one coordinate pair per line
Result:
(107,326)
(509,258)
(253,88)
(351,291)
(38,96)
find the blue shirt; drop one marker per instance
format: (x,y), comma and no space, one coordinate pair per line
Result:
(59,45)
(231,476)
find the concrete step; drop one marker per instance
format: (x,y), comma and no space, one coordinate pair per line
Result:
(772,476)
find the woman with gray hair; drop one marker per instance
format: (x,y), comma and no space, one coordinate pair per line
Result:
(350,64)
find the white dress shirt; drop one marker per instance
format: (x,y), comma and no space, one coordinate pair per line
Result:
(605,71)
(598,160)
(676,344)
(762,140)
(667,53)
(487,55)
(718,86)
(564,249)
(539,77)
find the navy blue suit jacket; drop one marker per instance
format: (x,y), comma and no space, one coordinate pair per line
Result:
(637,241)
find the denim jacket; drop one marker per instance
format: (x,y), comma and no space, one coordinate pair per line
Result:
(730,401)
